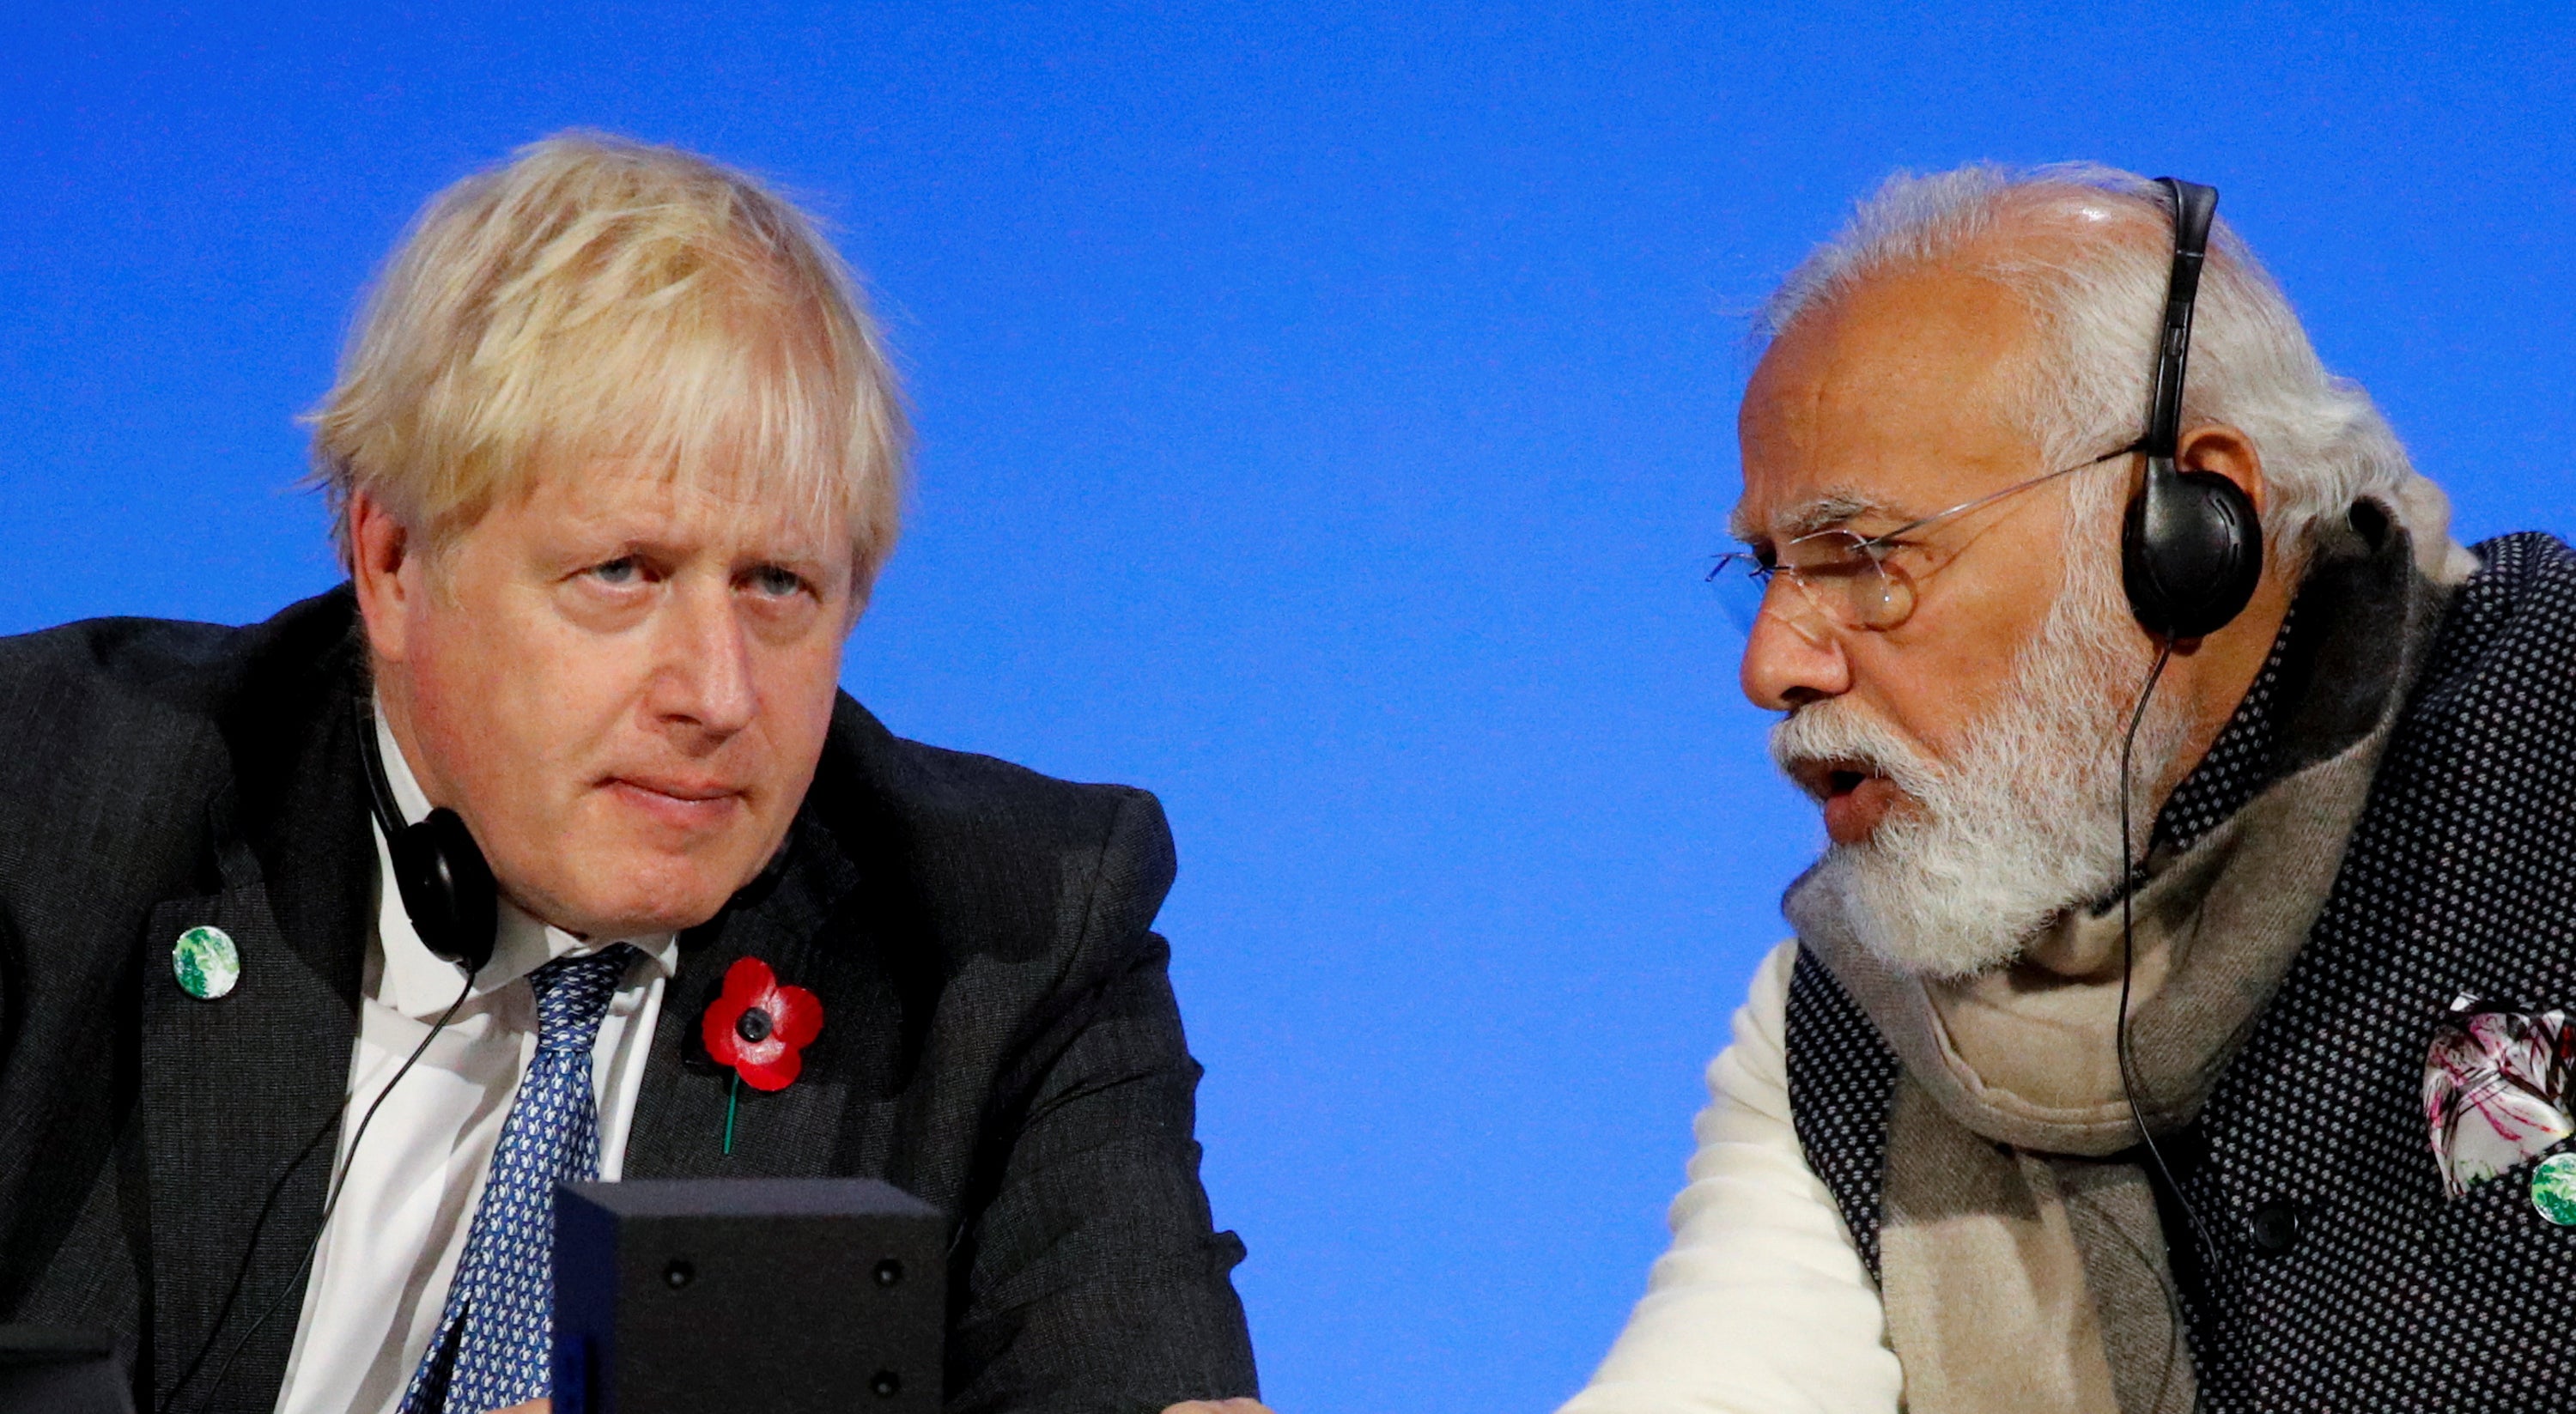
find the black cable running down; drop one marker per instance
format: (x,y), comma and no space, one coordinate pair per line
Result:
(2128,959)
(330,1205)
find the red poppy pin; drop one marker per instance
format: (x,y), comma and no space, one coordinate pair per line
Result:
(759,1029)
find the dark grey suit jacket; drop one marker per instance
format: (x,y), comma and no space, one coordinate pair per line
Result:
(1001,1039)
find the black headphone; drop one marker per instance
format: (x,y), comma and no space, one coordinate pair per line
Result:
(2191,550)
(446,885)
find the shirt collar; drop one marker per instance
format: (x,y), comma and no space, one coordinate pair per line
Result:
(419,983)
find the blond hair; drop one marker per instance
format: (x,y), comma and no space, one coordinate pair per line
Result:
(600,298)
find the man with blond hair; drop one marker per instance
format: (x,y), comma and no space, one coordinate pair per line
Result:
(614,458)
(2178,1015)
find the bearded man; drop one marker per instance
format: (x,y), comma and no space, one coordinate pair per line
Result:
(615,458)
(2264,1113)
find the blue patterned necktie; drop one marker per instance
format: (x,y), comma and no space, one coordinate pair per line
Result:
(495,1339)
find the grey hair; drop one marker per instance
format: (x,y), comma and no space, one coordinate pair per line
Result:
(2096,302)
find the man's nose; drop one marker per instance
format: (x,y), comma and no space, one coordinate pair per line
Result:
(1792,657)
(705,678)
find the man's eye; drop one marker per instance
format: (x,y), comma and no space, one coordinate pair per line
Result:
(622,570)
(775,582)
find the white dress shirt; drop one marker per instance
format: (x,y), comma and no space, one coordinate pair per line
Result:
(1761,1306)
(379,1280)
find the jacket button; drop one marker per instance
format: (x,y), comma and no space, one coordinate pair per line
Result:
(2275,1227)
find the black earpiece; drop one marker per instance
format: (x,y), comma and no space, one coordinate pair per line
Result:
(2191,552)
(446,885)
(2191,548)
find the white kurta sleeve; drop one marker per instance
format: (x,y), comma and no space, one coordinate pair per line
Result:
(1761,1306)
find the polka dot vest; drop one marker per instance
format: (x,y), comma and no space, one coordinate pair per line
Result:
(2347,1280)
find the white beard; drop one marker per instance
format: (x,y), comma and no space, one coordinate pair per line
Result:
(2023,825)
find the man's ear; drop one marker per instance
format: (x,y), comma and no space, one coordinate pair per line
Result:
(385,566)
(2227,451)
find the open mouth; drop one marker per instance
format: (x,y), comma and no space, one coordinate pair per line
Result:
(1857,796)
(1829,780)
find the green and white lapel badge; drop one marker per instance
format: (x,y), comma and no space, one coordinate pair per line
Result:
(206,962)
(2553,1189)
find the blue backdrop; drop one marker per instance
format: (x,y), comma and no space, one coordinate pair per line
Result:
(1326,413)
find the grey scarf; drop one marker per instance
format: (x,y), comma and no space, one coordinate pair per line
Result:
(2023,1260)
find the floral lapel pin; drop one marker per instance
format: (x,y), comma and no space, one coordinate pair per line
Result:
(759,1029)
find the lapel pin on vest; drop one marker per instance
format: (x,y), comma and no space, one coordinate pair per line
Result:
(206,962)
(2553,1189)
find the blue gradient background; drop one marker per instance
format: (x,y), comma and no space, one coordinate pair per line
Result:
(1325,415)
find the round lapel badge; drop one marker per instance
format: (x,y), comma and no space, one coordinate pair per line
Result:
(2553,1189)
(206,962)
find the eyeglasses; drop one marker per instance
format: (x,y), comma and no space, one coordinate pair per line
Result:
(1848,578)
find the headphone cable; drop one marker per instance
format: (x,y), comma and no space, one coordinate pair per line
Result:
(331,1204)
(2128,957)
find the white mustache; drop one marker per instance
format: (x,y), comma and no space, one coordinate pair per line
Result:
(1833,733)
(2014,823)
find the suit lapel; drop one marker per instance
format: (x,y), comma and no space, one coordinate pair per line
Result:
(799,919)
(240,1097)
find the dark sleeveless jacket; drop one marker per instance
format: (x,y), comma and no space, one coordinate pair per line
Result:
(2346,1280)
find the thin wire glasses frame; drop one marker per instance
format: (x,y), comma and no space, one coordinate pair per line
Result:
(1847,577)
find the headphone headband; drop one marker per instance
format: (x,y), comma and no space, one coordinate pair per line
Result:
(2191,546)
(2194,208)
(380,791)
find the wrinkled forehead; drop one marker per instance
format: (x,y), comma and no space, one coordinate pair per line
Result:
(742,508)
(1895,399)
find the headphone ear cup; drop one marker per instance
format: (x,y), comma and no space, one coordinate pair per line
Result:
(2191,552)
(447,888)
